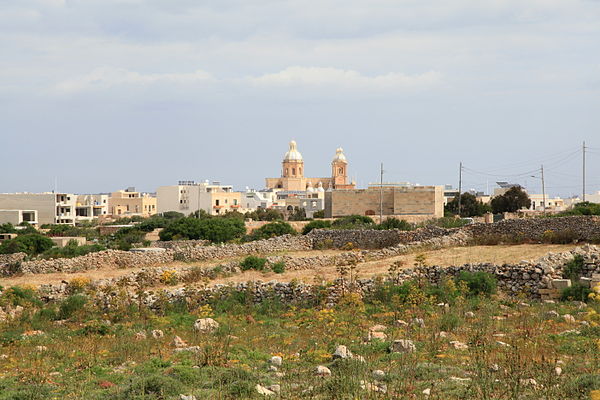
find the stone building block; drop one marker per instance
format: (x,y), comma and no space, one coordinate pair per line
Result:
(561,283)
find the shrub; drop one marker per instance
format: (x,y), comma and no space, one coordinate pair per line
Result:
(478,283)
(7,228)
(168,277)
(253,262)
(278,267)
(272,229)
(71,305)
(72,249)
(446,222)
(395,223)
(353,222)
(31,243)
(324,244)
(574,268)
(158,386)
(217,230)
(319,214)
(315,225)
(576,292)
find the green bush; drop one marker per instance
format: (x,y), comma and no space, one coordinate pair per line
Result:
(157,386)
(72,249)
(395,223)
(71,305)
(31,243)
(580,386)
(478,283)
(7,228)
(574,268)
(272,229)
(278,267)
(216,230)
(353,222)
(320,224)
(576,292)
(253,262)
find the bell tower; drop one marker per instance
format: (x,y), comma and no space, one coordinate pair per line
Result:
(339,169)
(293,164)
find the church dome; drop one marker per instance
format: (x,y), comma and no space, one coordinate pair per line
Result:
(339,155)
(293,154)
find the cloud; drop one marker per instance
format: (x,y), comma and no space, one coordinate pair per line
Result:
(350,79)
(108,77)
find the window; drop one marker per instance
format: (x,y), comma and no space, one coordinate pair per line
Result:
(217,202)
(294,171)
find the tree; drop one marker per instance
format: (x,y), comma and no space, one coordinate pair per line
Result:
(261,214)
(470,206)
(319,214)
(299,214)
(7,228)
(514,199)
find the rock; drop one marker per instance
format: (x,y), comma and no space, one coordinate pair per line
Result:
(322,371)
(206,325)
(443,334)
(193,349)
(427,392)
(494,368)
(187,397)
(276,361)
(264,391)
(552,314)
(403,346)
(502,344)
(376,335)
(569,318)
(342,352)
(157,334)
(377,328)
(419,322)
(460,380)
(378,374)
(459,345)
(273,368)
(558,371)
(373,387)
(470,314)
(178,342)
(41,348)
(275,388)
(140,335)
(401,323)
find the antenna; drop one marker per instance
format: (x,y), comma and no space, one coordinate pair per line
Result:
(460,187)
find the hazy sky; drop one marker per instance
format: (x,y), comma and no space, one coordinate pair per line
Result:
(104,94)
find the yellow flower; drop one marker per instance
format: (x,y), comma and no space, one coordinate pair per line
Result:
(595,395)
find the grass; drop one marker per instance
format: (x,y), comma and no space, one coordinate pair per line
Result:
(94,352)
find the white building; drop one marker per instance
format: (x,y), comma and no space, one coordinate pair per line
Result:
(556,204)
(52,208)
(254,199)
(188,197)
(16,217)
(91,206)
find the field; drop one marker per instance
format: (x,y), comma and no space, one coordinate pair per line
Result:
(409,341)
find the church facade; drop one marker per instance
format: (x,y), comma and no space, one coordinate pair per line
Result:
(293,179)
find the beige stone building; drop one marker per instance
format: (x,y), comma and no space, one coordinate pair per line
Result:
(413,203)
(188,197)
(292,173)
(50,208)
(127,203)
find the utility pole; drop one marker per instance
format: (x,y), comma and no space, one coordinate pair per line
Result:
(543,190)
(583,188)
(459,188)
(381,195)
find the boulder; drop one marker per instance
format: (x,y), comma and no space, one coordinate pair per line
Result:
(206,325)
(403,346)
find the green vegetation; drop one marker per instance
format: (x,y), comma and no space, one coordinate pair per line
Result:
(469,207)
(478,283)
(395,223)
(72,249)
(270,230)
(514,199)
(8,228)
(31,243)
(97,352)
(264,215)
(216,230)
(583,208)
(318,224)
(253,262)
(278,267)
(353,222)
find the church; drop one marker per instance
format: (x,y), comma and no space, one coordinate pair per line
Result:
(293,179)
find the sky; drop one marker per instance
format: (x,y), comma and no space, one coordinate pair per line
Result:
(99,95)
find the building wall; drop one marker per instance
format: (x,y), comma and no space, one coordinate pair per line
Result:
(426,201)
(44,203)
(15,217)
(188,199)
(120,204)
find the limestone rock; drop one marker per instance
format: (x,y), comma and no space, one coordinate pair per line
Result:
(322,371)
(342,352)
(403,346)
(277,361)
(206,325)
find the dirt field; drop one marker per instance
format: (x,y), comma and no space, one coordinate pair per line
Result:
(444,257)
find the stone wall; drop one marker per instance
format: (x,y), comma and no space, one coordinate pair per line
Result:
(374,239)
(10,263)
(584,228)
